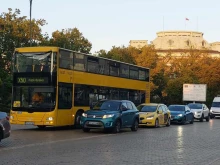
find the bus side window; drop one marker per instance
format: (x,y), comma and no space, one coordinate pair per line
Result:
(66,59)
(65,96)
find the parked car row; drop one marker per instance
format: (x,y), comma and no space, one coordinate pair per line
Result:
(117,114)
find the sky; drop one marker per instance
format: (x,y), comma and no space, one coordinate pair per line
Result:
(116,22)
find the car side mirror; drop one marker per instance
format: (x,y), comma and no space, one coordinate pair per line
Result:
(159,112)
(187,110)
(124,109)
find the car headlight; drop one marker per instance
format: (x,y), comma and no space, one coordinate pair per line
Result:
(107,116)
(150,117)
(180,115)
(84,115)
(50,118)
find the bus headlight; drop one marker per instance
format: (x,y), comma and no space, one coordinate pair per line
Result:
(50,118)
(84,115)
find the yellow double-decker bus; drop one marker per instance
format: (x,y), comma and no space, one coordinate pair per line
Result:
(53,86)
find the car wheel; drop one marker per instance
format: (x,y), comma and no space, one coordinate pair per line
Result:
(86,129)
(135,125)
(156,123)
(41,126)
(168,122)
(77,119)
(207,118)
(1,134)
(192,120)
(184,121)
(117,127)
(201,119)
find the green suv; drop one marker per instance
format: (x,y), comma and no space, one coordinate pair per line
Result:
(111,114)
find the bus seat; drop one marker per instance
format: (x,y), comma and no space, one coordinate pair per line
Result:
(37,68)
(29,68)
(46,68)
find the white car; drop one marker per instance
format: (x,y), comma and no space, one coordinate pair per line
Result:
(200,111)
(215,108)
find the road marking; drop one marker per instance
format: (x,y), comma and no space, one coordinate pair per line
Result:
(52,142)
(215,160)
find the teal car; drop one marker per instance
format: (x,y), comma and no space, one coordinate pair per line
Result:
(181,114)
(111,115)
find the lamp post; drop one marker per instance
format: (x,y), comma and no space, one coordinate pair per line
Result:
(30,23)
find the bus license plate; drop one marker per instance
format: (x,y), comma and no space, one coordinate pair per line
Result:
(93,123)
(29,123)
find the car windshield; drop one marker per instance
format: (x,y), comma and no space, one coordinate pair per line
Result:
(216,104)
(107,105)
(147,108)
(176,108)
(195,106)
(3,115)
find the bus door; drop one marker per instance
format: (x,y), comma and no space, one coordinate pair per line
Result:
(65,97)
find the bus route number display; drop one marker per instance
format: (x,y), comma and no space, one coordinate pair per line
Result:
(32,80)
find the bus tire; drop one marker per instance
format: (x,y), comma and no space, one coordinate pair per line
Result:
(41,127)
(77,118)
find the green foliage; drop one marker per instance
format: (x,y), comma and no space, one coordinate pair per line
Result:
(123,54)
(70,39)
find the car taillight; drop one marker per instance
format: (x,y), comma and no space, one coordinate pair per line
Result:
(7,117)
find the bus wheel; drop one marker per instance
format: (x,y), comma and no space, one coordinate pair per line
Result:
(77,119)
(41,126)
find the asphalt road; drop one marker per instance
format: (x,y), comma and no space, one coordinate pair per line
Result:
(175,145)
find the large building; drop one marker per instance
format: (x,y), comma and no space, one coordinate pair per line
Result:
(178,42)
(138,43)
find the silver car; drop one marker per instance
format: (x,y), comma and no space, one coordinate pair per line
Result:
(5,127)
(200,111)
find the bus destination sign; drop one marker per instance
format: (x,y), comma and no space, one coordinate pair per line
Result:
(32,80)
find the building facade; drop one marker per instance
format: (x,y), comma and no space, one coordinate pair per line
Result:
(178,42)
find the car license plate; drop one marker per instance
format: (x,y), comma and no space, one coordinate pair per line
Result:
(94,123)
(29,123)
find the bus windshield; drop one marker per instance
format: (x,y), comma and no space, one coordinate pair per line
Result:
(33,62)
(33,98)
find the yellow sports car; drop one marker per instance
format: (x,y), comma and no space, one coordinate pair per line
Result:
(154,114)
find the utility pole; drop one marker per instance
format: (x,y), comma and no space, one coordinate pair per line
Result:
(30,23)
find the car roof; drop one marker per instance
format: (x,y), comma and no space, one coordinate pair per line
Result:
(152,104)
(195,103)
(177,105)
(115,100)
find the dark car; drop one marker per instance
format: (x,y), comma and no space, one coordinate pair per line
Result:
(111,114)
(5,127)
(181,114)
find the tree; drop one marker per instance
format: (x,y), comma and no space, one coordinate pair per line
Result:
(123,54)
(70,39)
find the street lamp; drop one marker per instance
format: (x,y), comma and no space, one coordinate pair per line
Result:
(30,22)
